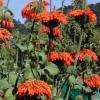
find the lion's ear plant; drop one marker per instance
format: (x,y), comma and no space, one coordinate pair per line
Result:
(52,56)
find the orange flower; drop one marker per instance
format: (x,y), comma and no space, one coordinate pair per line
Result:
(4,34)
(59,15)
(65,56)
(35,87)
(57,32)
(5,23)
(32,11)
(52,56)
(93,81)
(1,2)
(85,52)
(55,16)
(91,54)
(45,29)
(81,13)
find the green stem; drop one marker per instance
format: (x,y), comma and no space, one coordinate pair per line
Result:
(67,93)
(50,5)
(79,47)
(32,26)
(8,4)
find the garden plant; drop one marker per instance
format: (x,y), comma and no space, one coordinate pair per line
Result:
(55,57)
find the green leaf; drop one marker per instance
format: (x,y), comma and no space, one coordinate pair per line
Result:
(52,69)
(4,84)
(72,79)
(0,98)
(28,74)
(30,47)
(54,91)
(12,78)
(87,89)
(42,57)
(22,47)
(59,98)
(9,95)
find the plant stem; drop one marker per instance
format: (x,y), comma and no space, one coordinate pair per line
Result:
(50,5)
(7,4)
(32,26)
(67,93)
(62,4)
(79,47)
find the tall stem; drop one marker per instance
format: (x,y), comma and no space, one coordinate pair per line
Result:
(63,4)
(50,5)
(79,47)
(7,4)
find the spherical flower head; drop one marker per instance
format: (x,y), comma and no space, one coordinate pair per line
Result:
(80,14)
(93,81)
(32,11)
(35,87)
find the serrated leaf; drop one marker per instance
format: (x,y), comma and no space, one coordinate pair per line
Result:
(30,47)
(72,79)
(59,98)
(22,47)
(87,89)
(12,78)
(42,57)
(9,95)
(28,74)
(54,91)
(52,69)
(4,84)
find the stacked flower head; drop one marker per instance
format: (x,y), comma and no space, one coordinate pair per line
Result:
(51,22)
(35,87)
(63,56)
(82,13)
(32,11)
(93,81)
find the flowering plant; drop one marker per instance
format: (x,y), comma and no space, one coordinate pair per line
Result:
(53,61)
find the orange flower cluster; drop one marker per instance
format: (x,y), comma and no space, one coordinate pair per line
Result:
(63,56)
(36,87)
(93,81)
(56,15)
(51,21)
(55,31)
(32,11)
(79,13)
(85,52)
(5,23)
(5,34)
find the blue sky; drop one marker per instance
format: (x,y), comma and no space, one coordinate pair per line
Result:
(17,5)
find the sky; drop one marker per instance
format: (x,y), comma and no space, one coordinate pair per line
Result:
(17,5)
